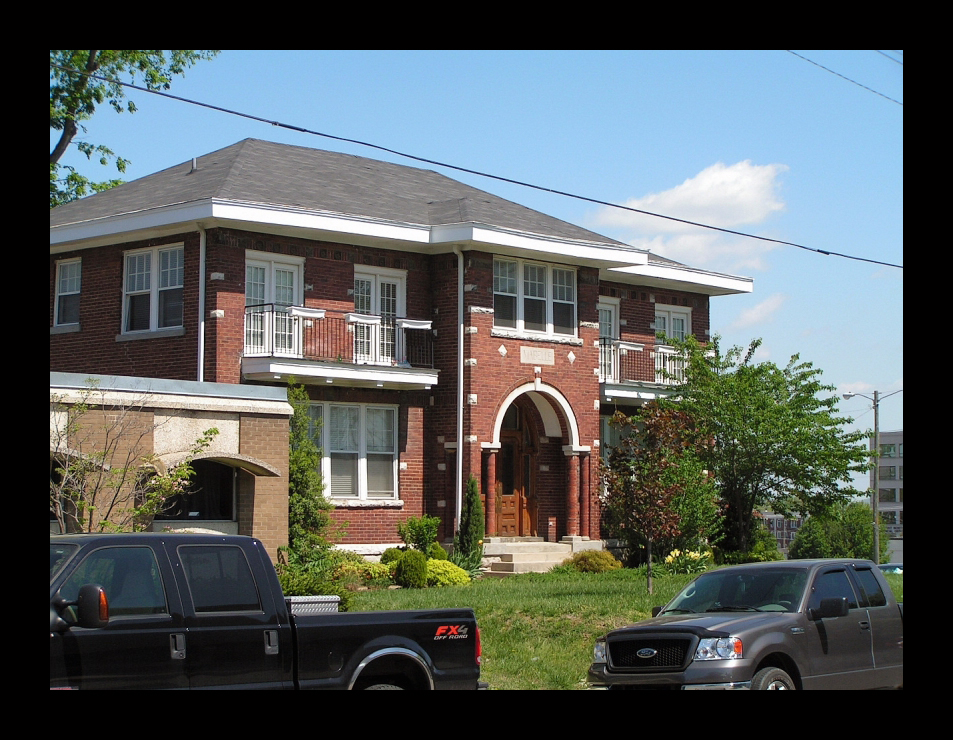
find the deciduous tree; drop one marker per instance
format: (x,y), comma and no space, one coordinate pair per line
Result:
(778,441)
(655,484)
(75,94)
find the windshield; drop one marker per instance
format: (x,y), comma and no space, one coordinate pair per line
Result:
(59,555)
(766,590)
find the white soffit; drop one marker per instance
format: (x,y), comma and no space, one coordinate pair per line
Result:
(682,277)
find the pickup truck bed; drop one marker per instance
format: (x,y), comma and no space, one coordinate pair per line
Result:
(207,611)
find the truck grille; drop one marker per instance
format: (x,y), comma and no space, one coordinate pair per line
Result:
(669,652)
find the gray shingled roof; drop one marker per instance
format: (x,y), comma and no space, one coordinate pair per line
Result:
(281,175)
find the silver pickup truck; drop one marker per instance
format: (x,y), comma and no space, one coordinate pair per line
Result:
(800,624)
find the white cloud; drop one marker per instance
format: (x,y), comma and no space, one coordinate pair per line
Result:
(760,313)
(730,197)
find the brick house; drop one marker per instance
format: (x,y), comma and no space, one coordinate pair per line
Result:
(441,331)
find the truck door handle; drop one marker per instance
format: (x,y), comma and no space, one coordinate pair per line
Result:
(864,625)
(271,642)
(177,645)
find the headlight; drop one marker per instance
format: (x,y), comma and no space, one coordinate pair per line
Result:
(599,652)
(719,648)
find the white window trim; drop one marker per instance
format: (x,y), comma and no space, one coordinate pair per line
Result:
(669,312)
(59,294)
(362,499)
(521,298)
(154,268)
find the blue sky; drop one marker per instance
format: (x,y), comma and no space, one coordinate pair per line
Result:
(762,142)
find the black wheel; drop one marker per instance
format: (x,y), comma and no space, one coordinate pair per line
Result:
(772,679)
(383,687)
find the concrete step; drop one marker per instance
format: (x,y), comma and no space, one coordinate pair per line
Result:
(507,556)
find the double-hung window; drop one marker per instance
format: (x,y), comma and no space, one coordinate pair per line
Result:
(68,284)
(360,449)
(534,297)
(152,289)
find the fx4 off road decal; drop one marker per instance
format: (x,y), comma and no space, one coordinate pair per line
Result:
(451,632)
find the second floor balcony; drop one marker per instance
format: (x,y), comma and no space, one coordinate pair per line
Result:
(316,345)
(635,371)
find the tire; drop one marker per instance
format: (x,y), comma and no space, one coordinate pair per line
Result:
(383,687)
(772,679)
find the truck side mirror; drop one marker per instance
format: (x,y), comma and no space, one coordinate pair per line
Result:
(656,610)
(92,609)
(831,608)
(92,606)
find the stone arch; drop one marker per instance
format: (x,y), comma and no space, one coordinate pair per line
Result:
(547,400)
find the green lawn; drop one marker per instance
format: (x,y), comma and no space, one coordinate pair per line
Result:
(538,630)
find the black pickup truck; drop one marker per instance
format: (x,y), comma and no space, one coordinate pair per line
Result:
(204,611)
(799,624)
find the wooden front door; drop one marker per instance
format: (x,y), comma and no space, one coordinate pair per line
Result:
(509,481)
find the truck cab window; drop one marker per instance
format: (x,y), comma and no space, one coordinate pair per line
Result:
(832,584)
(219,578)
(872,591)
(130,576)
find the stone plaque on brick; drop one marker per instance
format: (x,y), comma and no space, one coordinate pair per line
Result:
(537,356)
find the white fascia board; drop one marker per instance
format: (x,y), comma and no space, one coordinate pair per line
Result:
(335,223)
(683,278)
(108,227)
(574,251)
(223,212)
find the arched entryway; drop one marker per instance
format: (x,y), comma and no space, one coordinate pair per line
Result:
(534,467)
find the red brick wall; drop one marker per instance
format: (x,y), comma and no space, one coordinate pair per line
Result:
(94,348)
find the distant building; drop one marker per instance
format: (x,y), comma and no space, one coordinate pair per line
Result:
(784,530)
(890,489)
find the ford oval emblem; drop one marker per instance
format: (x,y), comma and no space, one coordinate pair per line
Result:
(647,653)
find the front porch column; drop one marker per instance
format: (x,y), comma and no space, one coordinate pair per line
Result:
(489,488)
(572,495)
(585,465)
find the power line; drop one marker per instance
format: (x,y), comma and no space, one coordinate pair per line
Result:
(868,89)
(587,199)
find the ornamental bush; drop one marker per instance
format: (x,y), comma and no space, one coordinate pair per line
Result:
(593,561)
(445,573)
(391,555)
(411,570)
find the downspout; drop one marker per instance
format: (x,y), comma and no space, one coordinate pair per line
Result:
(459,481)
(201,348)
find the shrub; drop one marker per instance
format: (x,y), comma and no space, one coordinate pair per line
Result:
(364,573)
(391,555)
(419,532)
(296,581)
(445,573)
(593,561)
(411,570)
(437,552)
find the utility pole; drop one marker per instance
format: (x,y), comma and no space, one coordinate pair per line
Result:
(875,493)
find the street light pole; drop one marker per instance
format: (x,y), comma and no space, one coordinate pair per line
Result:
(875,494)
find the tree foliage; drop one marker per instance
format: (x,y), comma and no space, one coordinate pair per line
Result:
(656,487)
(75,94)
(104,475)
(777,439)
(309,517)
(843,531)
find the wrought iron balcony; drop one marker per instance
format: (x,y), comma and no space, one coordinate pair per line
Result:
(348,338)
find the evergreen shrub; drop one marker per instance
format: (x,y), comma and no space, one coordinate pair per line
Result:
(411,570)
